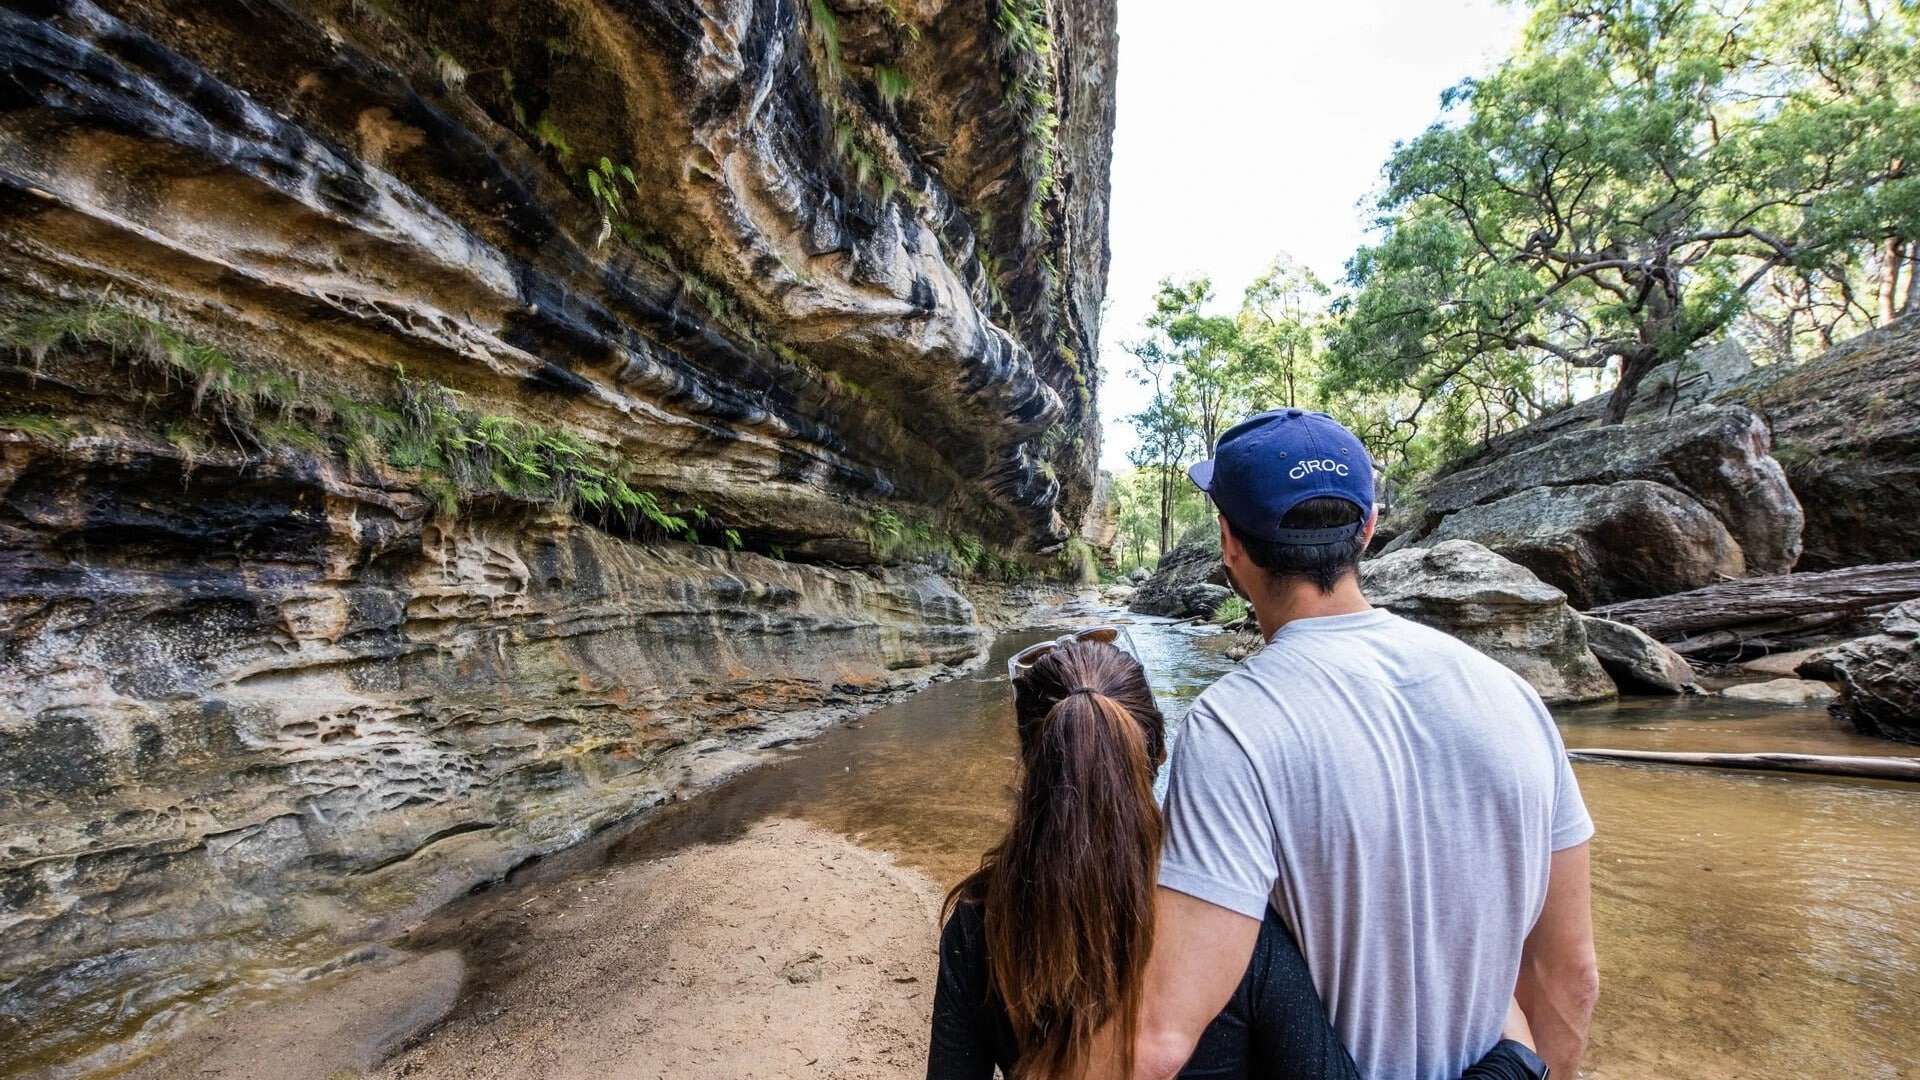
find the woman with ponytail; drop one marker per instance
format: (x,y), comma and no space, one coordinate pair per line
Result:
(1043,958)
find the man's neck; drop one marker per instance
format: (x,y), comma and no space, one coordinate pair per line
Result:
(1291,599)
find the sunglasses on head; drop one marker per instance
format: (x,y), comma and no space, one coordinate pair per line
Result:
(1020,662)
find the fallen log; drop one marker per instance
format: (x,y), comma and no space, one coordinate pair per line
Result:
(1871,768)
(1776,635)
(1754,603)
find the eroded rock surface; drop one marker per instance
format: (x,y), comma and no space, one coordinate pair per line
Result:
(1496,606)
(1879,677)
(1781,692)
(281,706)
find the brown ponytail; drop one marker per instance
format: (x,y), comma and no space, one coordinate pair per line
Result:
(1068,892)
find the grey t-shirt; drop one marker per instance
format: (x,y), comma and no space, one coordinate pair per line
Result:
(1395,795)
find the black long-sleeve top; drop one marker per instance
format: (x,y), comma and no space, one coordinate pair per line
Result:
(1273,1028)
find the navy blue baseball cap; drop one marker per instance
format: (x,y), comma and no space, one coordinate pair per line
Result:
(1268,464)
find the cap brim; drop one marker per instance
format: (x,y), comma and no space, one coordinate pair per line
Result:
(1201,473)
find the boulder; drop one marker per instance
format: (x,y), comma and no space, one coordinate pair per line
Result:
(1622,511)
(1636,661)
(1496,606)
(1846,427)
(1879,677)
(1139,575)
(1193,561)
(1600,543)
(1781,692)
(1201,600)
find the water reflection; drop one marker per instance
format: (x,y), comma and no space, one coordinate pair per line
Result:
(1750,925)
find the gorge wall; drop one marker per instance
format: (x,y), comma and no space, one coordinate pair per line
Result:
(432,431)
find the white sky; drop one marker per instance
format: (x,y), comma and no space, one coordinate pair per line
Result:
(1251,127)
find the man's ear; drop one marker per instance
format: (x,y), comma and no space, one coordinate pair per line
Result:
(1229,544)
(1366,534)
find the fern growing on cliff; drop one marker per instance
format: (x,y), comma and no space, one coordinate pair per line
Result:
(603,182)
(891,84)
(1027,50)
(235,393)
(455,452)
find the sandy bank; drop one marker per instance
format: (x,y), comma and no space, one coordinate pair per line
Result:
(788,952)
(791,952)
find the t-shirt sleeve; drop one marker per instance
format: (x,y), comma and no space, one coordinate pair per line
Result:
(1572,825)
(1220,845)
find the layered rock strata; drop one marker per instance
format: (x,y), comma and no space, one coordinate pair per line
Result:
(277,707)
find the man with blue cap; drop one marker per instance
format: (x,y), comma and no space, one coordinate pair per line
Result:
(1403,801)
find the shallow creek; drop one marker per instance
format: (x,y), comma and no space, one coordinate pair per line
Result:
(1750,925)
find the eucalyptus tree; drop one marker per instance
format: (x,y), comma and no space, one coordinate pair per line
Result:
(1614,192)
(1281,318)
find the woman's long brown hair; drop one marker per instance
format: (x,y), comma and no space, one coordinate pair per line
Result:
(1068,892)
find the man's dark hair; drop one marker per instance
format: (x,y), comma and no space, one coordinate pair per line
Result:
(1322,564)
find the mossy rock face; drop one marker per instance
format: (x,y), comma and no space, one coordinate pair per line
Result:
(367,368)
(256,680)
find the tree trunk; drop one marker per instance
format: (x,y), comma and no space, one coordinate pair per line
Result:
(1892,256)
(1912,302)
(1874,768)
(1166,510)
(1632,369)
(1753,605)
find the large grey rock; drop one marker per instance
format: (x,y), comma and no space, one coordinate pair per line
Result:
(1879,677)
(1636,661)
(1553,505)
(1194,561)
(1601,543)
(1496,606)
(1846,427)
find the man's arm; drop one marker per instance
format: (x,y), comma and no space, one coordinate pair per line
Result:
(1200,954)
(1559,975)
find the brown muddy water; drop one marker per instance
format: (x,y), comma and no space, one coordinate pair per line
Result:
(1750,925)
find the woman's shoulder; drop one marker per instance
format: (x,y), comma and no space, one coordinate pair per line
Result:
(966,927)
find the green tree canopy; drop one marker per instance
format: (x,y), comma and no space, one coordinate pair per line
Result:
(1616,191)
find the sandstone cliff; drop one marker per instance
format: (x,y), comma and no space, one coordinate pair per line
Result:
(431,431)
